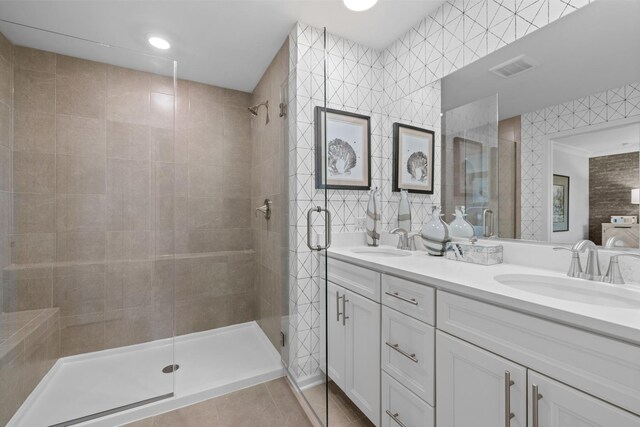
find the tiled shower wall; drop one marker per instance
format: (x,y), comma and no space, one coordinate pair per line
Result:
(539,127)
(400,83)
(102,191)
(269,179)
(6,145)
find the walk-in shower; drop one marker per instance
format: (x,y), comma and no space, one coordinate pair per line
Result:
(133,245)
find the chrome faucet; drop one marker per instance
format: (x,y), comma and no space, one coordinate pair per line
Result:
(575,269)
(592,270)
(614,275)
(405,238)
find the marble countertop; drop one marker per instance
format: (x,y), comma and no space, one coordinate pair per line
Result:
(477,281)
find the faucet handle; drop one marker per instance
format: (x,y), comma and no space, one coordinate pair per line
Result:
(614,275)
(575,269)
(403,241)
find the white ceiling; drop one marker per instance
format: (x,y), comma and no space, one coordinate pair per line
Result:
(603,142)
(589,51)
(227,43)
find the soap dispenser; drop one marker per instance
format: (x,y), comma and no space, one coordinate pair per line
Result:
(435,233)
(373,218)
(404,211)
(460,227)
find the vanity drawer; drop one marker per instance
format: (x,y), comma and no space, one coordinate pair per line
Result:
(601,366)
(408,352)
(360,280)
(405,406)
(410,298)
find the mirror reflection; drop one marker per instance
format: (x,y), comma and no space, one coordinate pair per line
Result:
(541,137)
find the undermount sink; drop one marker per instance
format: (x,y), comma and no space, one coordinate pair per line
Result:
(381,252)
(575,290)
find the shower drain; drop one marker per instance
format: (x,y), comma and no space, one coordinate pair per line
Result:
(170,368)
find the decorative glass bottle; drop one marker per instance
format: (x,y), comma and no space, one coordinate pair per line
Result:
(435,233)
(460,227)
(404,211)
(373,218)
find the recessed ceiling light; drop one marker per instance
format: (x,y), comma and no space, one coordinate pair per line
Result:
(359,5)
(158,42)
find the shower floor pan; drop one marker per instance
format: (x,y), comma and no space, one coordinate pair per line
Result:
(211,363)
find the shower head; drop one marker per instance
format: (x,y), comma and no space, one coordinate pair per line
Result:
(254,110)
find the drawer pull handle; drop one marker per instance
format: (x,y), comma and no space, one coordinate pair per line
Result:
(397,348)
(344,309)
(394,417)
(396,295)
(338,306)
(535,396)
(507,399)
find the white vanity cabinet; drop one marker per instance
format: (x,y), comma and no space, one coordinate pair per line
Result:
(353,323)
(410,355)
(559,406)
(477,388)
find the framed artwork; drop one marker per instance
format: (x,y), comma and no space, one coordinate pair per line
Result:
(560,203)
(413,159)
(346,159)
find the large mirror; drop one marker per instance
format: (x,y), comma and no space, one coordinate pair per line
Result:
(550,147)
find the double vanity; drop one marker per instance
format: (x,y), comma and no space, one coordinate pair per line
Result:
(421,341)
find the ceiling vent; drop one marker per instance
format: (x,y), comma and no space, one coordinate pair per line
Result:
(514,66)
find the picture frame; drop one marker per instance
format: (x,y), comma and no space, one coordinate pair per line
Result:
(413,159)
(347,162)
(560,203)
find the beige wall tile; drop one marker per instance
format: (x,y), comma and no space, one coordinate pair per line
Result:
(204,212)
(81,294)
(121,80)
(34,91)
(69,66)
(80,136)
(34,213)
(163,147)
(35,132)
(128,107)
(34,172)
(237,123)
(6,180)
(6,82)
(34,59)
(161,110)
(162,84)
(236,98)
(6,48)
(205,181)
(85,175)
(6,125)
(237,181)
(33,248)
(80,246)
(27,294)
(235,213)
(127,176)
(6,213)
(206,147)
(80,95)
(127,141)
(80,212)
(207,114)
(201,91)
(81,334)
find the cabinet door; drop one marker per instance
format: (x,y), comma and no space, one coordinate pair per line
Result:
(472,387)
(561,406)
(335,335)
(363,354)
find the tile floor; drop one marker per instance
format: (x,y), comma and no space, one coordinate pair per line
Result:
(271,404)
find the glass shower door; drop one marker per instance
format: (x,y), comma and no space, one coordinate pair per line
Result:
(470,159)
(305,338)
(88,284)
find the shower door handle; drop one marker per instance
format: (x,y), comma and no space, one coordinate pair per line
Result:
(309,228)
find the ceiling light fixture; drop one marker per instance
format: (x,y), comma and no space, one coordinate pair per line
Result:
(359,5)
(158,42)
